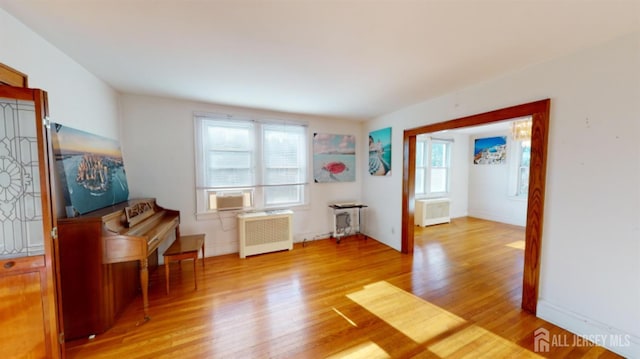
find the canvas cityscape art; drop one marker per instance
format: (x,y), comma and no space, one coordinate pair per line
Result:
(90,168)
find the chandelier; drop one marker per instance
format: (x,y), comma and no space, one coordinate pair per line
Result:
(521,130)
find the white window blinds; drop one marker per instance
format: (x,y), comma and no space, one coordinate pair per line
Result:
(229,154)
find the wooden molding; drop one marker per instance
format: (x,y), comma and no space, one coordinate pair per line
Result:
(539,111)
(12,77)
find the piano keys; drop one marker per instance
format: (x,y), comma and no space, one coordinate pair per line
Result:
(105,258)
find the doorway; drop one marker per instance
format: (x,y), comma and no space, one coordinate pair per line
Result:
(539,112)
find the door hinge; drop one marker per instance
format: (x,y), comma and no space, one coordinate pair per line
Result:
(54,233)
(46,122)
(61,337)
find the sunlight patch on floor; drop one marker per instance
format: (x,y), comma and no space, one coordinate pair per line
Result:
(364,350)
(445,334)
(516,245)
(414,317)
(477,342)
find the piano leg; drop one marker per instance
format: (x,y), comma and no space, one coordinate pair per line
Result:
(144,283)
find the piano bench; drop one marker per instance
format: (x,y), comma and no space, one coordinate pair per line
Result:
(184,247)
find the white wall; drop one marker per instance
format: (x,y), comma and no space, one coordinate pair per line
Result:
(460,165)
(590,269)
(76,97)
(158,148)
(489,196)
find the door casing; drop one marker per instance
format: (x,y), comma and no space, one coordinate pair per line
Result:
(539,111)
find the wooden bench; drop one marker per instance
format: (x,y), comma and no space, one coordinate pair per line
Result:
(184,247)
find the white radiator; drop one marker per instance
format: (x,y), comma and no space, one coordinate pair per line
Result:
(263,232)
(432,211)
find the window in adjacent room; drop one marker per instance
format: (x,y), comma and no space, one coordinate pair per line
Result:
(520,157)
(433,166)
(523,167)
(262,163)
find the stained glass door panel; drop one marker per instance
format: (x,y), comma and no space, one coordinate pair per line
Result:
(20,198)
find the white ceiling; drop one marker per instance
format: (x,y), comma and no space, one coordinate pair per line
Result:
(354,59)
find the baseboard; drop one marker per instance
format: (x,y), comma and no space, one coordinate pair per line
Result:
(616,340)
(497,218)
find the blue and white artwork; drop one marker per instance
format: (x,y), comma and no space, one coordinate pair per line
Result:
(380,152)
(90,168)
(334,158)
(490,151)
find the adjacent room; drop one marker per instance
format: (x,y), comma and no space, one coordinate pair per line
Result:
(312,179)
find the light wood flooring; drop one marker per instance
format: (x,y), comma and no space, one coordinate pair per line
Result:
(457,296)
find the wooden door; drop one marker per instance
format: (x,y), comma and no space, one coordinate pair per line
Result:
(28,295)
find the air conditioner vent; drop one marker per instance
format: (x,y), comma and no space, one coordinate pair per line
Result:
(225,201)
(229,202)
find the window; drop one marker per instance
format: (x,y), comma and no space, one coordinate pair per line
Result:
(263,162)
(284,164)
(433,166)
(524,160)
(519,157)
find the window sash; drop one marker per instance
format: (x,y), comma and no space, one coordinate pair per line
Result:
(439,180)
(284,154)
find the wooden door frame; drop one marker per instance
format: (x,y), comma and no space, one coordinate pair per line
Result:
(12,77)
(539,111)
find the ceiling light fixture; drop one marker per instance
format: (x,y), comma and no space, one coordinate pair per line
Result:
(521,130)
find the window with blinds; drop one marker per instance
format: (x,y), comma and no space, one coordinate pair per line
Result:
(433,166)
(228,153)
(284,164)
(266,160)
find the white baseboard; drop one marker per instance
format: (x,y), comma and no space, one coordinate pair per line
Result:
(497,218)
(616,340)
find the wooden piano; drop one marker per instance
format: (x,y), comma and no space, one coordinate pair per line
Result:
(105,257)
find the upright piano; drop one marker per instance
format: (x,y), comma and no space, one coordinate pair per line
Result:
(105,258)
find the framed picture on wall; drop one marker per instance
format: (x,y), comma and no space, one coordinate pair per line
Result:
(380,152)
(334,158)
(90,168)
(490,151)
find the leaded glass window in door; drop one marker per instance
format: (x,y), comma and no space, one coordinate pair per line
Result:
(21,232)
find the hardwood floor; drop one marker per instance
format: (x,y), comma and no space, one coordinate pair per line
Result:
(458,296)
